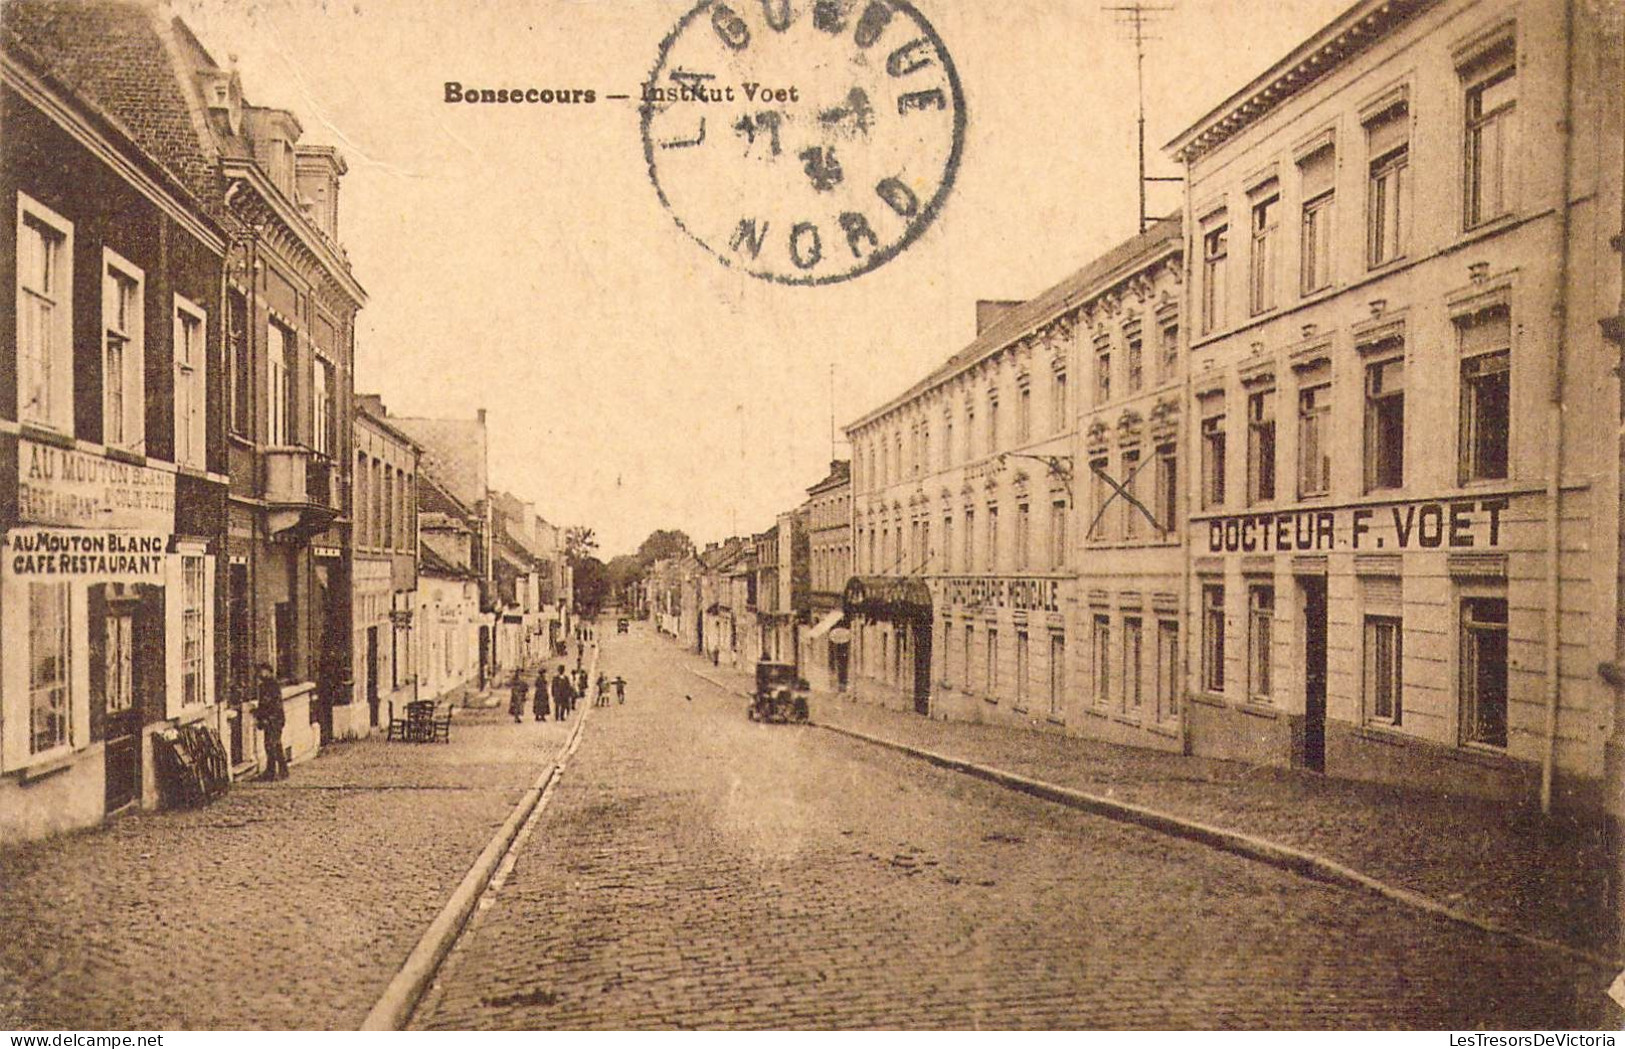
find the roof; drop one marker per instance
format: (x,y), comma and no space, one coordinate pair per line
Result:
(433,498)
(1349,34)
(120,60)
(840,472)
(1164,236)
(363,409)
(453,454)
(431,563)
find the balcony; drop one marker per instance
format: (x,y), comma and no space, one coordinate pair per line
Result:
(299,491)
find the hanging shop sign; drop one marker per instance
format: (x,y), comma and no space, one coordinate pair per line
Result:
(1455,524)
(65,486)
(96,556)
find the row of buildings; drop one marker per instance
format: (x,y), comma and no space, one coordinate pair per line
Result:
(1323,471)
(189,486)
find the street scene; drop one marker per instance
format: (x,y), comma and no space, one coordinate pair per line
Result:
(812,515)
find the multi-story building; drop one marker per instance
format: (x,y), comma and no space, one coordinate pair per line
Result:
(961,599)
(1404,530)
(291,304)
(519,567)
(384,575)
(112,443)
(825,640)
(448,622)
(1129,540)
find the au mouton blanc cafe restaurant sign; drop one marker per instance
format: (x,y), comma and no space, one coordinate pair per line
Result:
(87,518)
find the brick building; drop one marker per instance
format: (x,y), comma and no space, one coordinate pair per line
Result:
(1405,534)
(825,641)
(384,600)
(112,443)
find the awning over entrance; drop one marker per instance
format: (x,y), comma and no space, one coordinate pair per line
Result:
(892,598)
(826,624)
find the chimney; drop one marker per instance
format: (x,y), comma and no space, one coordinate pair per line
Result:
(480,415)
(990,311)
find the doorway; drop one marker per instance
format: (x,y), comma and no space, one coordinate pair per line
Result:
(1314,672)
(115,679)
(922,668)
(372,675)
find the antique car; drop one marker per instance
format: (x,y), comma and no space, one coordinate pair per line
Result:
(780,695)
(622,626)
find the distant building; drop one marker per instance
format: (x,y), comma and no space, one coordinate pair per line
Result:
(825,639)
(385,573)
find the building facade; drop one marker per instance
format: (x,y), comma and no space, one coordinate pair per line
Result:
(825,640)
(112,443)
(385,574)
(1403,530)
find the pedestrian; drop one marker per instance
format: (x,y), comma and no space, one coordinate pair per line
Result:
(538,701)
(581,682)
(601,698)
(271,716)
(620,689)
(561,694)
(516,697)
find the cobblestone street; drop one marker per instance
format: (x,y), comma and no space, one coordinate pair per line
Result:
(694,869)
(283,905)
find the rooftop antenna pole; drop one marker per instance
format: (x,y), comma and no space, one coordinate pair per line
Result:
(1137,16)
(831,411)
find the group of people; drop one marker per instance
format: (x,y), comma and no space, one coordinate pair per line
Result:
(564,690)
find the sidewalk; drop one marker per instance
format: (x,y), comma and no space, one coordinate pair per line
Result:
(283,905)
(1495,861)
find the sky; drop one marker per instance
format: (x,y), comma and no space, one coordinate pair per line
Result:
(518,258)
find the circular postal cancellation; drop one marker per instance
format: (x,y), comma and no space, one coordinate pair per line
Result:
(803,141)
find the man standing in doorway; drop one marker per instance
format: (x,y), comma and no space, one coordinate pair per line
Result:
(272,717)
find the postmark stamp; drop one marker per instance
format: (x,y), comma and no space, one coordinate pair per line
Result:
(803,141)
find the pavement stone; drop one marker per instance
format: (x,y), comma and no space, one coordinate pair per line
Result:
(282,905)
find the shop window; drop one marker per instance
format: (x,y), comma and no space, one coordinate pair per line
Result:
(1384,677)
(1213,638)
(124,406)
(1484,671)
(1388,185)
(1385,424)
(1215,254)
(1260,629)
(1133,653)
(1261,447)
(1057,673)
(194,631)
(1491,138)
(1314,435)
(1261,275)
(44,316)
(50,701)
(1168,682)
(1486,396)
(1317,174)
(191,389)
(1102,655)
(1213,464)
(1167,498)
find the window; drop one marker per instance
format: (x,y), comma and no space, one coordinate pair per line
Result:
(1314,434)
(1170,351)
(1102,660)
(1167,497)
(191,386)
(1167,669)
(926,553)
(1385,424)
(1261,277)
(1136,365)
(1021,668)
(925,446)
(1103,371)
(279,354)
(947,542)
(1057,673)
(1261,447)
(1260,627)
(1057,417)
(1213,638)
(1317,174)
(970,646)
(118,663)
(1057,534)
(970,431)
(124,405)
(1387,204)
(1484,671)
(947,440)
(1213,460)
(1023,534)
(1384,693)
(1024,414)
(1100,493)
(969,560)
(194,629)
(1486,396)
(992,662)
(1131,513)
(992,422)
(1215,249)
(386,507)
(1133,651)
(49,690)
(1491,141)
(44,316)
(323,415)
(992,539)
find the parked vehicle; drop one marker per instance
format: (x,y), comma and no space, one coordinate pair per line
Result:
(622,626)
(780,695)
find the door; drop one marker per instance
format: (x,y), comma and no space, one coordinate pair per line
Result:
(1314,672)
(838,656)
(371,670)
(922,668)
(115,672)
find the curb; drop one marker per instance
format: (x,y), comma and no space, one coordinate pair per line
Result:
(1296,861)
(394,1007)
